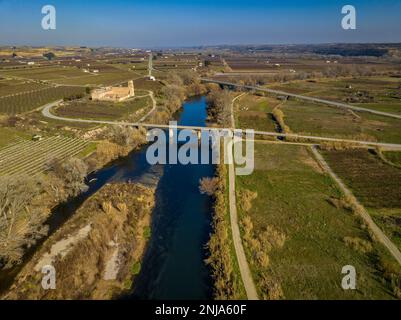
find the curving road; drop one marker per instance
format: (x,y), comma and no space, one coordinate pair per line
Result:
(306,98)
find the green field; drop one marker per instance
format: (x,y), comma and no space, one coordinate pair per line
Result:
(293,198)
(253,112)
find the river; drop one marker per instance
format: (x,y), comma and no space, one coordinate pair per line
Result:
(173,266)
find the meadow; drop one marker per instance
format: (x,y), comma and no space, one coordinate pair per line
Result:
(254,112)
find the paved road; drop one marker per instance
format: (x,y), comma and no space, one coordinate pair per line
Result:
(362,211)
(232,109)
(306,98)
(46,111)
(245,272)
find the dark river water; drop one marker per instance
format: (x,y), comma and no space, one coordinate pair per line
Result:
(173,266)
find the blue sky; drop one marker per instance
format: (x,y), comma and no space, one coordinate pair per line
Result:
(124,23)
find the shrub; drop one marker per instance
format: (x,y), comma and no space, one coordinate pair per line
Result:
(246,198)
(358,244)
(209,186)
(136,268)
(262,259)
(271,289)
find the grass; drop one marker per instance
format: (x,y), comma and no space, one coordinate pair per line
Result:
(253,112)
(394,157)
(89,149)
(389,220)
(9,135)
(375,183)
(293,198)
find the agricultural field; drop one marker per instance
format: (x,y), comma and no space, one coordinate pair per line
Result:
(175,62)
(145,84)
(298,221)
(254,112)
(376,93)
(99,110)
(249,64)
(375,183)
(44,73)
(29,101)
(70,75)
(315,119)
(14,87)
(30,157)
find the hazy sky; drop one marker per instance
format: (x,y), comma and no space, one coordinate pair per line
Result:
(132,23)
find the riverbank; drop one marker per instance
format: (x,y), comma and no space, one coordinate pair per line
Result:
(97,252)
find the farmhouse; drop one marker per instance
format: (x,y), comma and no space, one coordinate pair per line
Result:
(116,94)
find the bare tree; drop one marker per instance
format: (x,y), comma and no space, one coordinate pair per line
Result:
(209,186)
(68,176)
(219,106)
(21,217)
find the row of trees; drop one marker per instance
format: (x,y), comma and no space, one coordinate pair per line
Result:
(328,72)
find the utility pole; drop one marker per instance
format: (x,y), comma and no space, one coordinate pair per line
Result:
(150,66)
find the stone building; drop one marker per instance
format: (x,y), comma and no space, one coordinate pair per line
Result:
(115,94)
